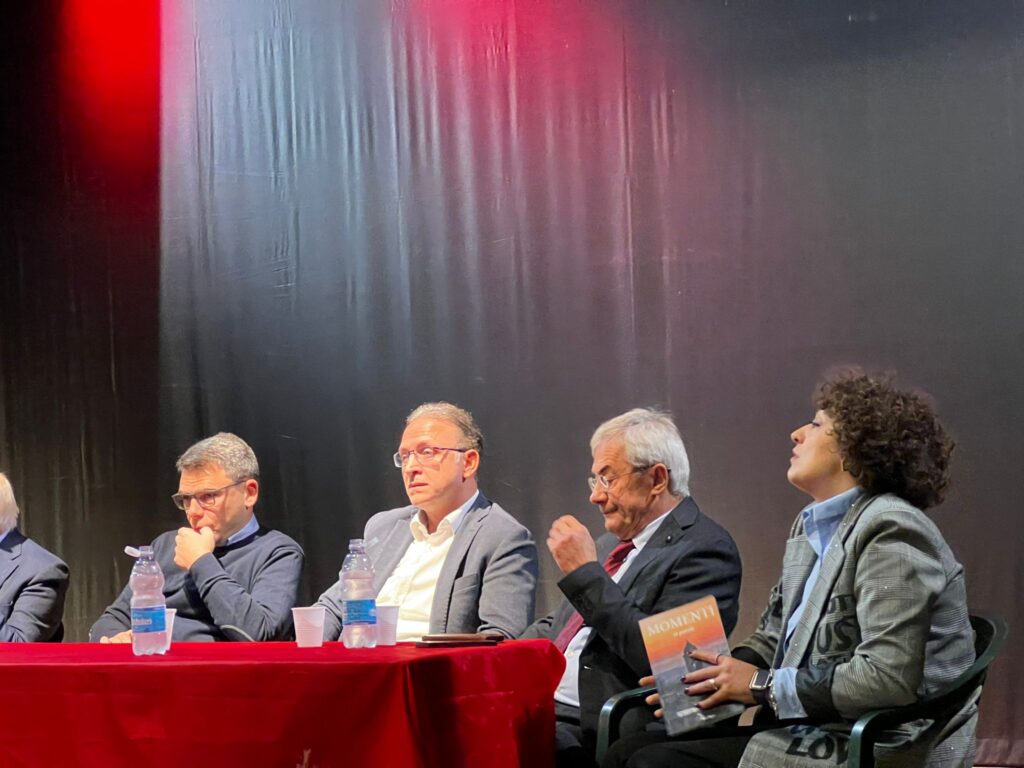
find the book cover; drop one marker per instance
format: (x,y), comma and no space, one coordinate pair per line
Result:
(669,637)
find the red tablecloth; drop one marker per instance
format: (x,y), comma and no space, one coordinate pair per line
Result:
(273,704)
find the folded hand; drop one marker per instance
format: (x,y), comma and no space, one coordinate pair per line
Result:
(190,545)
(120,637)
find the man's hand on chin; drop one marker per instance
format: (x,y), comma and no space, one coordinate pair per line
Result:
(190,545)
(571,544)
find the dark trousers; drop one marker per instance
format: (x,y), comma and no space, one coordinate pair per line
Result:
(655,749)
(570,751)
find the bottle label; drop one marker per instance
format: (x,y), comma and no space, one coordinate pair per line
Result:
(359,611)
(149,619)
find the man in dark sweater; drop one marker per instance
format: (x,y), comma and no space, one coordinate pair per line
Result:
(228,577)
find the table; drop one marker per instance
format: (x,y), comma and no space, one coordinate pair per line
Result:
(273,704)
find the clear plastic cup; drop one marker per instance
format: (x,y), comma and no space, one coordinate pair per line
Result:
(309,626)
(171,613)
(387,624)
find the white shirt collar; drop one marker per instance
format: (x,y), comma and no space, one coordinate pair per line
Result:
(447,527)
(648,532)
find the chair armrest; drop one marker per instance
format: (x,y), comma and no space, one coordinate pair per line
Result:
(618,705)
(990,632)
(869,726)
(611,716)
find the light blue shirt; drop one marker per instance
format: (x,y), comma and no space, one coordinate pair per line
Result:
(821,521)
(4,535)
(247,530)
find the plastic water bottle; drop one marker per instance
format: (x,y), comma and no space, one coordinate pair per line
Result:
(359,606)
(149,611)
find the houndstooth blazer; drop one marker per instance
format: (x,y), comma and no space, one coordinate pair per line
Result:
(885,623)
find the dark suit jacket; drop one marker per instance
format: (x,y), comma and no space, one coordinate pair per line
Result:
(33,583)
(689,556)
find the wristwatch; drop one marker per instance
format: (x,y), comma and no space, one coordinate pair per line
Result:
(761,689)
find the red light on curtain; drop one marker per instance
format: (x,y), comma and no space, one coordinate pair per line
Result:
(111,87)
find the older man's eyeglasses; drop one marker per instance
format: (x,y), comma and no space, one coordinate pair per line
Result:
(205,498)
(426,455)
(605,481)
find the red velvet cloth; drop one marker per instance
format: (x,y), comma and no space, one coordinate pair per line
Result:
(273,704)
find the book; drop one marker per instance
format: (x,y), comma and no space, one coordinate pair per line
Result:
(669,637)
(455,640)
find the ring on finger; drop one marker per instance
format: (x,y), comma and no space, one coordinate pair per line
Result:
(714,683)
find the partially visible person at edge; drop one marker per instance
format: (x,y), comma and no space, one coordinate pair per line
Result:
(33,581)
(228,577)
(871,609)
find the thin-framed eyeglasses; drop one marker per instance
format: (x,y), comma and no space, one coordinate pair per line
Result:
(426,455)
(205,498)
(605,481)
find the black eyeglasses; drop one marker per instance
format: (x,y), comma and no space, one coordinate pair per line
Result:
(205,498)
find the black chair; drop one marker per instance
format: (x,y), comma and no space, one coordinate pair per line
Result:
(990,632)
(610,720)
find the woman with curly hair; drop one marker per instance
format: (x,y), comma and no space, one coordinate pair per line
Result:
(871,608)
(890,440)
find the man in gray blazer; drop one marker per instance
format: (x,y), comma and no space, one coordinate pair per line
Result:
(453,561)
(33,582)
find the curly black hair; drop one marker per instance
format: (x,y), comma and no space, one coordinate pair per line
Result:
(890,439)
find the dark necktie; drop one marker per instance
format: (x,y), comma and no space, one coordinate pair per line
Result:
(612,564)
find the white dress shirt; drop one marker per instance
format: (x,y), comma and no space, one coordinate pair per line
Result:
(411,585)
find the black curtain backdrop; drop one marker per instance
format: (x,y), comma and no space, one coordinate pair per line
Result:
(547,212)
(79,284)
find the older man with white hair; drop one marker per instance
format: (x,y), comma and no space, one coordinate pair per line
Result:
(228,577)
(659,552)
(33,582)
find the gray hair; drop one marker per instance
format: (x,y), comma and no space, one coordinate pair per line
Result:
(225,450)
(460,417)
(649,437)
(8,506)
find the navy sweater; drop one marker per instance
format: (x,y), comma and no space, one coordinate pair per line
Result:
(250,584)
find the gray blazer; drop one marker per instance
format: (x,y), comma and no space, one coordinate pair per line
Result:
(487,583)
(885,623)
(33,583)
